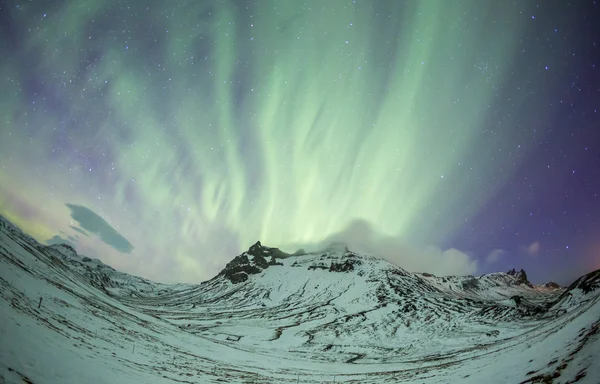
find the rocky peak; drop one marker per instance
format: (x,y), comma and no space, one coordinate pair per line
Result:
(552,285)
(520,277)
(252,262)
(257,249)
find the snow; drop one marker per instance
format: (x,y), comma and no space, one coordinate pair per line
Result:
(376,323)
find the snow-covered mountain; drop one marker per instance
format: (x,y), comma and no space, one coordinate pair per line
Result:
(272,317)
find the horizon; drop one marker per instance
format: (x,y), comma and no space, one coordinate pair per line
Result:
(162,138)
(324,248)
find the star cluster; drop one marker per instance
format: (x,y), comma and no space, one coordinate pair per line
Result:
(185,131)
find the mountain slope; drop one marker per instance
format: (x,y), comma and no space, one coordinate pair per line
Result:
(340,306)
(273,317)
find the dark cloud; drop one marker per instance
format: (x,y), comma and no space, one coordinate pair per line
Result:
(83,232)
(56,239)
(91,222)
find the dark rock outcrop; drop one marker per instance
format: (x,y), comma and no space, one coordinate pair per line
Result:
(520,276)
(259,250)
(238,269)
(251,262)
(238,277)
(587,283)
(317,266)
(470,284)
(350,259)
(346,266)
(517,299)
(526,307)
(493,333)
(274,261)
(261,262)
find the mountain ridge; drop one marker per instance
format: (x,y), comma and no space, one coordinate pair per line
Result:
(359,315)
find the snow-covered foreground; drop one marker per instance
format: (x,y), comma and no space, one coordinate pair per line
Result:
(331,316)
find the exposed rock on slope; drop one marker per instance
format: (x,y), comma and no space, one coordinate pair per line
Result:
(259,250)
(252,262)
(587,283)
(579,291)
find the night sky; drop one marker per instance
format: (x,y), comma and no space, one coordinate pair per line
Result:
(165,137)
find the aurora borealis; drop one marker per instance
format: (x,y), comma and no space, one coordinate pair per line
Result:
(196,128)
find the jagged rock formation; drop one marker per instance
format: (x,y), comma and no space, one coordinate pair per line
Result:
(257,249)
(345,266)
(252,262)
(521,277)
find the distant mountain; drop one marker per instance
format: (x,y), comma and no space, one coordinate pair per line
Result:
(552,285)
(269,316)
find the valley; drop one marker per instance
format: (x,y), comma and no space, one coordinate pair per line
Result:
(269,317)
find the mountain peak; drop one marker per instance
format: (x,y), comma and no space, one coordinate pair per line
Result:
(257,249)
(552,285)
(252,262)
(520,276)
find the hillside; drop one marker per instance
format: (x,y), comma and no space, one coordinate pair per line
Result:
(274,317)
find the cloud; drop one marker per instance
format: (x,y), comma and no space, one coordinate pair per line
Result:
(494,256)
(82,231)
(56,239)
(91,222)
(359,236)
(532,249)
